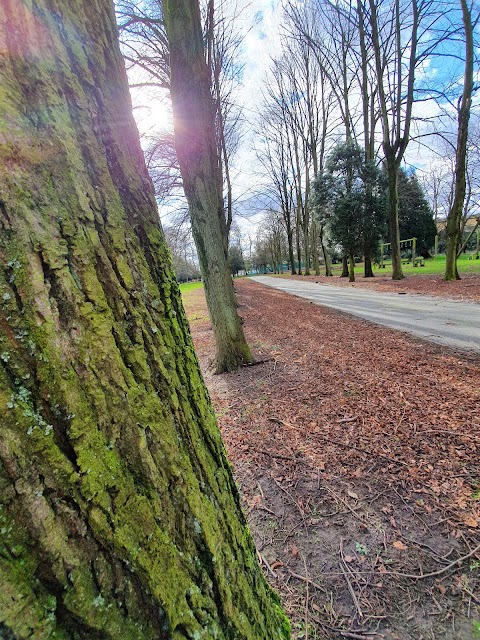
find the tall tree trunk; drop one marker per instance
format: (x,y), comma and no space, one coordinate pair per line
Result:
(197,152)
(344,273)
(326,255)
(351,268)
(119,516)
(291,257)
(367,267)
(299,250)
(455,214)
(392,178)
(316,263)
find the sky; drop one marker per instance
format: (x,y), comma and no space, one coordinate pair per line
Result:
(261,23)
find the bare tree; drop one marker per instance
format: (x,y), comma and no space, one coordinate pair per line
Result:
(298,97)
(146,50)
(274,157)
(455,213)
(197,152)
(335,36)
(162,165)
(401,37)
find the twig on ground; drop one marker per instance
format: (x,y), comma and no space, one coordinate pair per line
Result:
(263,508)
(255,362)
(263,561)
(433,574)
(307,595)
(298,576)
(261,490)
(300,510)
(346,570)
(352,591)
(345,503)
(276,455)
(358,636)
(426,546)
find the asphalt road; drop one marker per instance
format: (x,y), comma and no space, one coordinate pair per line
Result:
(446,322)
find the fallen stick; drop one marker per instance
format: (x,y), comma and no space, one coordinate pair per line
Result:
(298,576)
(350,586)
(356,636)
(263,561)
(433,574)
(345,504)
(275,455)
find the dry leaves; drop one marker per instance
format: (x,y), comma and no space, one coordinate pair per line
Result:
(398,544)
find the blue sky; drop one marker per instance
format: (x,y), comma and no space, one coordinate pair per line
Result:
(261,23)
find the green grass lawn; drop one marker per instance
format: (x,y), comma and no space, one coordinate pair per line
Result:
(189,286)
(431,266)
(465,266)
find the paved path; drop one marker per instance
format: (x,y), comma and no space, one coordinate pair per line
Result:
(455,324)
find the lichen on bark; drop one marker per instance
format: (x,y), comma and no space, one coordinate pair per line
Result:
(119,516)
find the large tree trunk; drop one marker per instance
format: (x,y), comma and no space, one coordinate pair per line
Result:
(291,257)
(367,267)
(299,250)
(197,153)
(392,178)
(119,517)
(326,255)
(351,267)
(455,214)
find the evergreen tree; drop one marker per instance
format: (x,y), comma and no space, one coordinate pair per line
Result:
(235,259)
(348,197)
(415,214)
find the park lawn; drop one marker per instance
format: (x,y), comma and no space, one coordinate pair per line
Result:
(194,304)
(355,449)
(432,266)
(185,287)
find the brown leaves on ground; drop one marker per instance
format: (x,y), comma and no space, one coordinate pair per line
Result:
(356,451)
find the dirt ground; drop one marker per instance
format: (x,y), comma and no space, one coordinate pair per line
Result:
(468,288)
(355,448)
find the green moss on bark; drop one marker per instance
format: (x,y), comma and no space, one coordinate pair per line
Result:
(119,515)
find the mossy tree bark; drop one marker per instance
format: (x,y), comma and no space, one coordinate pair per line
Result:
(351,267)
(119,517)
(197,152)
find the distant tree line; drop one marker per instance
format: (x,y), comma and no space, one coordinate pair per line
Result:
(348,201)
(354,74)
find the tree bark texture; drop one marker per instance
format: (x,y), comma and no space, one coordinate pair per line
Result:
(351,267)
(454,218)
(367,267)
(392,178)
(326,255)
(195,143)
(291,257)
(119,517)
